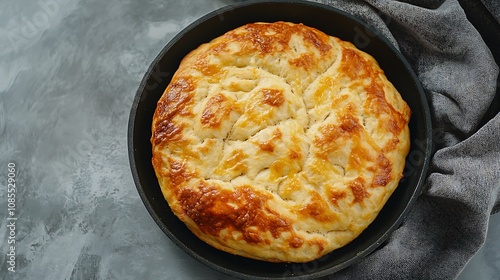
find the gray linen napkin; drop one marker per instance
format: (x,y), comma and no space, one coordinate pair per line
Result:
(449,221)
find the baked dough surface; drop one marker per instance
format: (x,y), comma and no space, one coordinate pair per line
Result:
(278,142)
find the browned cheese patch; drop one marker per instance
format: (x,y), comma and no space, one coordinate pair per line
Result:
(177,100)
(241,210)
(216,110)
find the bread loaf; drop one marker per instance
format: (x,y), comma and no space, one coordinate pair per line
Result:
(278,142)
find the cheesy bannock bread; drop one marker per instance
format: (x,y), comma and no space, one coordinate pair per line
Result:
(278,142)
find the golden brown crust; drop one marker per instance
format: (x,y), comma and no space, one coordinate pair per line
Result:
(278,142)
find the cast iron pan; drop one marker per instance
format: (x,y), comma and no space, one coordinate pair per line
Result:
(332,22)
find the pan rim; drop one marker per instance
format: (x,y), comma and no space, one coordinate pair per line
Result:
(216,13)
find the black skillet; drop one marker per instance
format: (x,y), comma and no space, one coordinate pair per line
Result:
(332,22)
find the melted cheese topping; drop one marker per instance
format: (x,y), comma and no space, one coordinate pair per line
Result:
(278,142)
